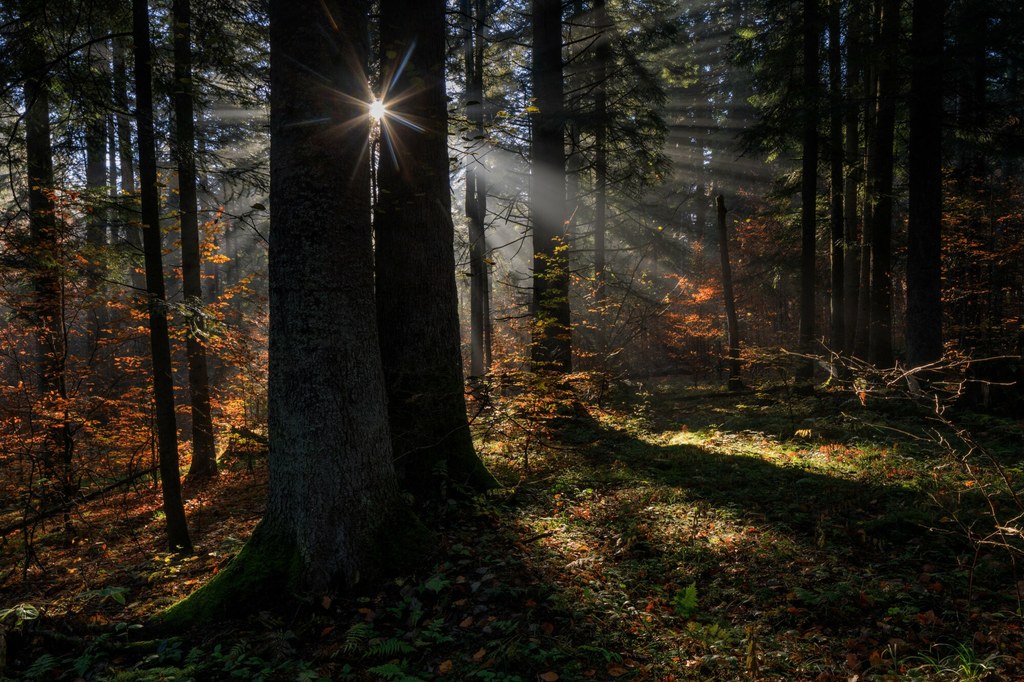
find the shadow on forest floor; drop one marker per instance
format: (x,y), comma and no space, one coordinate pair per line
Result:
(706,536)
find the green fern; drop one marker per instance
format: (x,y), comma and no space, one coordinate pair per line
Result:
(393,673)
(389,648)
(41,666)
(356,638)
(685,601)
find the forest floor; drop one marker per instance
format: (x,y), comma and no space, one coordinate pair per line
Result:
(673,534)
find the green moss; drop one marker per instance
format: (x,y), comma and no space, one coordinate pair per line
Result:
(267,566)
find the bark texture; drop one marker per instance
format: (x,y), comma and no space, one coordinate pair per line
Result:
(163,383)
(732,320)
(880,188)
(924,229)
(552,335)
(334,516)
(417,306)
(204,454)
(809,184)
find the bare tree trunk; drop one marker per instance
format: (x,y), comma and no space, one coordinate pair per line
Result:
(204,452)
(809,185)
(163,383)
(851,232)
(46,311)
(837,329)
(552,335)
(476,196)
(924,229)
(131,231)
(880,188)
(870,75)
(732,321)
(417,309)
(603,55)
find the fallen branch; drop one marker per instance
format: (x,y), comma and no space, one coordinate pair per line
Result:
(74,502)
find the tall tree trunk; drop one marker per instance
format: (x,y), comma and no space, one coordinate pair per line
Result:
(837,255)
(870,19)
(476,196)
(924,229)
(603,57)
(204,453)
(732,321)
(880,188)
(854,163)
(132,233)
(96,230)
(47,307)
(552,335)
(417,309)
(334,516)
(163,383)
(809,184)
(479,45)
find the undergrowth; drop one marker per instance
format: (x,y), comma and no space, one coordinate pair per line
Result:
(691,535)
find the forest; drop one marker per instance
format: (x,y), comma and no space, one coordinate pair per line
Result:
(511,340)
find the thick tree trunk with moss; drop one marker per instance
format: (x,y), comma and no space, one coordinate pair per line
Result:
(334,512)
(417,308)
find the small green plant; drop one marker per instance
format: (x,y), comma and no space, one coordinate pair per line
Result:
(962,663)
(41,667)
(393,672)
(19,614)
(685,601)
(389,648)
(116,594)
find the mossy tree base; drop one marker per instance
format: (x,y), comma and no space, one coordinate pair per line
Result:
(269,573)
(267,566)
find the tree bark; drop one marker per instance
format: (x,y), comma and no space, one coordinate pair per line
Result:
(334,516)
(924,228)
(837,256)
(732,321)
(417,308)
(204,453)
(854,163)
(870,19)
(476,189)
(131,233)
(809,185)
(552,335)
(163,383)
(46,310)
(880,188)
(603,56)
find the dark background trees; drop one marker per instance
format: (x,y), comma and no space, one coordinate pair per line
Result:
(550,167)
